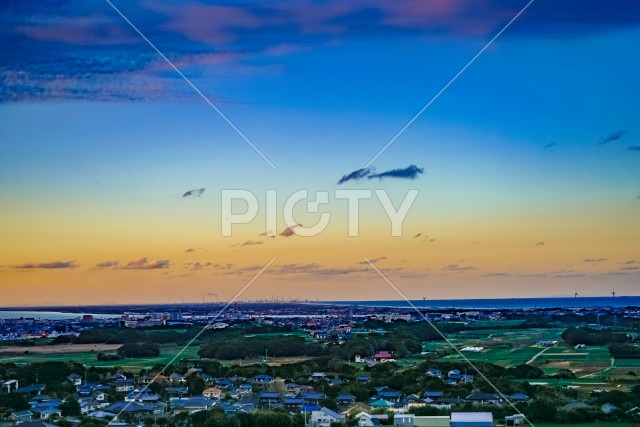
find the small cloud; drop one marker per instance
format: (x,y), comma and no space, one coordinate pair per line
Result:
(630,262)
(551,147)
(194,193)
(251,243)
(458,267)
(410,172)
(497,274)
(189,250)
(288,232)
(373,260)
(615,136)
(54,265)
(417,235)
(269,233)
(593,260)
(355,175)
(540,244)
(634,148)
(146,264)
(475,243)
(107,264)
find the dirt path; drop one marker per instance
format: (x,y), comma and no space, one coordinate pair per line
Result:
(533,359)
(611,365)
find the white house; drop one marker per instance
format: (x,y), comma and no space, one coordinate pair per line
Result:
(324,417)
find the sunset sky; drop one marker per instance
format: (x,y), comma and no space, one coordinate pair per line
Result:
(531,157)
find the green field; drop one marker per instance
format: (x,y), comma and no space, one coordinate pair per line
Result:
(89,358)
(595,424)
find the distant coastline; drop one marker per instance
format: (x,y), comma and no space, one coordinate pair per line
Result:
(503,303)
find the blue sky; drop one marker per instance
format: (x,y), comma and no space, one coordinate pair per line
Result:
(94,124)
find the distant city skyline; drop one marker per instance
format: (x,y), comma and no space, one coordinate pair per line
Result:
(527,165)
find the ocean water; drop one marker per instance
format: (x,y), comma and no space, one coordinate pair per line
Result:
(511,303)
(50,315)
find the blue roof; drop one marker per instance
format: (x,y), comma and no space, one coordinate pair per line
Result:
(270,395)
(435,393)
(346,396)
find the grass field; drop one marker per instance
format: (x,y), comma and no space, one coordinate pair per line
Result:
(594,424)
(88,358)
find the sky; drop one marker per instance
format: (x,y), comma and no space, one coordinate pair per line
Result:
(526,162)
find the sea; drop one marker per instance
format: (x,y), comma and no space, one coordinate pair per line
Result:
(50,315)
(505,303)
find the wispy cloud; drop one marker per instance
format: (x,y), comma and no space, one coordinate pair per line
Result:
(356,175)
(539,244)
(613,137)
(634,148)
(458,267)
(551,147)
(146,264)
(373,260)
(288,232)
(75,51)
(251,243)
(410,172)
(54,265)
(194,193)
(107,264)
(594,260)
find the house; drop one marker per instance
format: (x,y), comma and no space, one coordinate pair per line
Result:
(177,378)
(317,376)
(21,416)
(383,356)
(324,417)
(293,403)
(312,398)
(263,379)
(390,395)
(212,393)
(433,394)
(136,408)
(195,403)
(435,373)
(75,379)
(270,398)
(293,388)
(471,419)
(46,412)
(366,419)
(177,391)
(478,398)
(446,402)
(345,399)
(123,385)
(32,389)
(519,397)
(514,420)
(363,379)
(401,419)
(10,386)
(38,424)
(608,408)
(432,421)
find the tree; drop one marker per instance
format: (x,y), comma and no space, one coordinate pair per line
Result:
(70,407)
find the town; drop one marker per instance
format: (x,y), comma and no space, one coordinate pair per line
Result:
(320,365)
